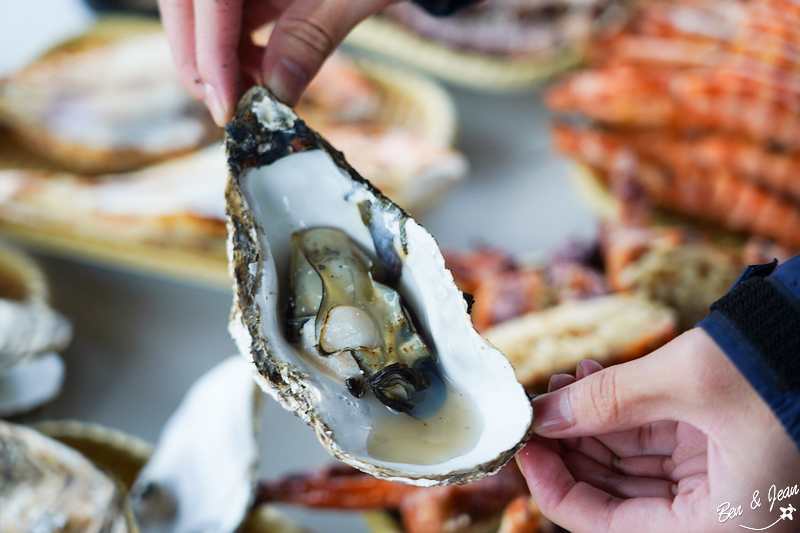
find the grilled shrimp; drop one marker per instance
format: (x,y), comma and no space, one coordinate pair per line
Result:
(423,509)
(626,95)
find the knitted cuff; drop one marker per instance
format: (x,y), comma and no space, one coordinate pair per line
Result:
(757,324)
(444,7)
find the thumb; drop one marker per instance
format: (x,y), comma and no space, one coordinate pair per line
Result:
(617,398)
(304,36)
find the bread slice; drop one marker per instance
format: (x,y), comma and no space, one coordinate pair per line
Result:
(608,329)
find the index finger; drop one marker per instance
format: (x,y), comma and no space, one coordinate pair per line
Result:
(177,18)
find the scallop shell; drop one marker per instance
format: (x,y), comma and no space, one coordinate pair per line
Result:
(109,101)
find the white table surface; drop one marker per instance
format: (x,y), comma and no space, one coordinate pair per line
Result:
(141,340)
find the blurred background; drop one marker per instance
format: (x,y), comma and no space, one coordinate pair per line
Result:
(562,153)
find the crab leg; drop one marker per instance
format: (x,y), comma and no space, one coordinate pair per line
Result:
(715,196)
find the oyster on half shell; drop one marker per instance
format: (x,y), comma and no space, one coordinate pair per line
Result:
(343,303)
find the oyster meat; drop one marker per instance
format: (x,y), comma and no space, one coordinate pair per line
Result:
(343,303)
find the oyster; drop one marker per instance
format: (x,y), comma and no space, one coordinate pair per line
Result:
(343,303)
(47,486)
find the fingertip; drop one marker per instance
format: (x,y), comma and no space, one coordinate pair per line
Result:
(286,80)
(531,454)
(304,36)
(521,456)
(545,474)
(552,412)
(587,367)
(558,381)
(299,44)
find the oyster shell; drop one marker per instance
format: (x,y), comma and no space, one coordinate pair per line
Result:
(30,383)
(47,486)
(30,331)
(202,472)
(467,415)
(107,102)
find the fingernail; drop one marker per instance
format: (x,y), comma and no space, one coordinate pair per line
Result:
(286,81)
(558,381)
(215,104)
(586,367)
(552,412)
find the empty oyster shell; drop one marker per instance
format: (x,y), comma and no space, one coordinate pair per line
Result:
(467,412)
(201,475)
(31,383)
(29,329)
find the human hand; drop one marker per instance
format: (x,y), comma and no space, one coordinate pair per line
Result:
(217,59)
(675,441)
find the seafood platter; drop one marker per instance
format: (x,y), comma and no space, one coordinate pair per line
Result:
(388,328)
(687,105)
(120,165)
(497,45)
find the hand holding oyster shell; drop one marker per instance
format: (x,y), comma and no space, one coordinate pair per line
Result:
(215,66)
(656,453)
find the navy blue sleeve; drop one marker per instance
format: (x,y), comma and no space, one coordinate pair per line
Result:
(444,7)
(757,324)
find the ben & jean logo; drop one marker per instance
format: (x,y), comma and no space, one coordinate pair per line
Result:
(727,512)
